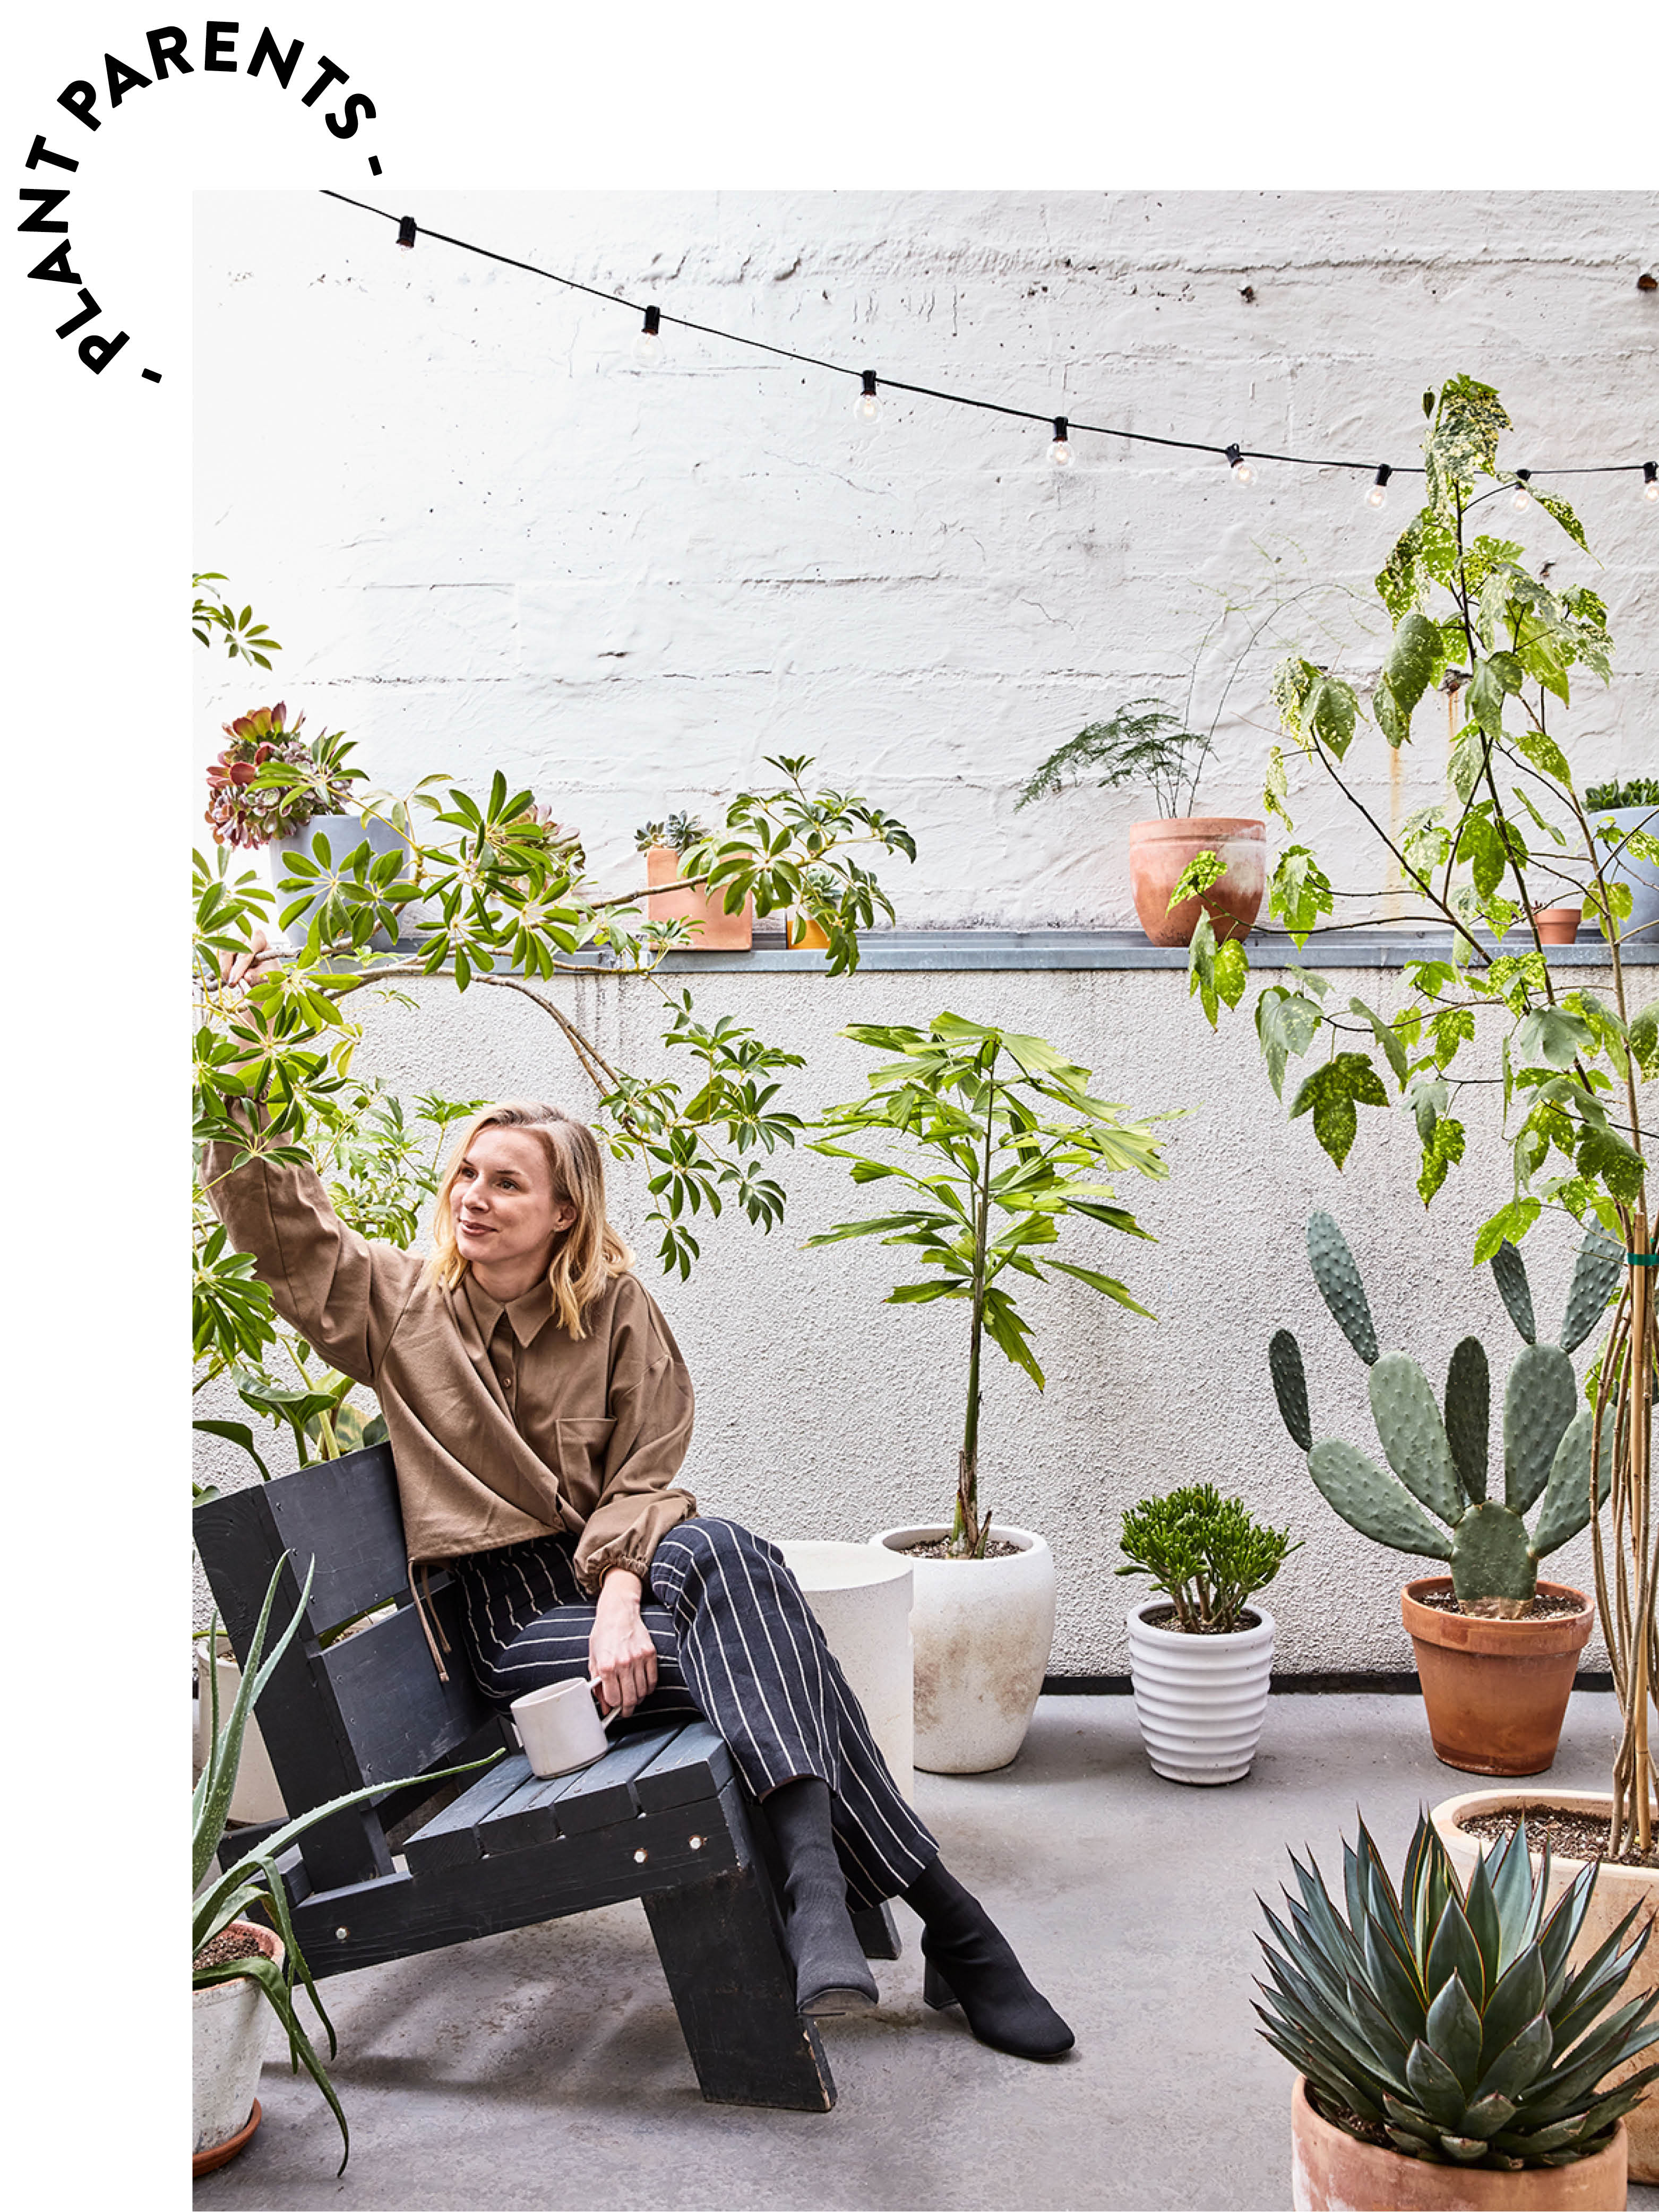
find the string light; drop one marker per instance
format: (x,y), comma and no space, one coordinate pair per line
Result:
(866,408)
(1060,453)
(648,346)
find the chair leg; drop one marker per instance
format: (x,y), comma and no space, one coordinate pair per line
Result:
(735,1995)
(874,1926)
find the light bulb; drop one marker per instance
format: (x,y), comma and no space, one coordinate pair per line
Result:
(406,232)
(1377,494)
(1060,451)
(1650,480)
(1242,472)
(1520,499)
(866,408)
(648,345)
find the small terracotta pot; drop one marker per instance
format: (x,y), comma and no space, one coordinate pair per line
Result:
(720,931)
(1558,924)
(1617,1889)
(1159,852)
(1495,1691)
(802,935)
(1331,2171)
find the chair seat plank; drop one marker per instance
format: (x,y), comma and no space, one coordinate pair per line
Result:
(530,1816)
(695,1765)
(603,1794)
(451,1838)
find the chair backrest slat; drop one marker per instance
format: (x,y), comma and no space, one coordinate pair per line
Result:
(344,1512)
(400,1717)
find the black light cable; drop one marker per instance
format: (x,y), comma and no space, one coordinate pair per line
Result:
(1238,458)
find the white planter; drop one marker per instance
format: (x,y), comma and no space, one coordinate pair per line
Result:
(1200,1700)
(344,833)
(231,2026)
(1642,876)
(257,1795)
(983,1630)
(861,1598)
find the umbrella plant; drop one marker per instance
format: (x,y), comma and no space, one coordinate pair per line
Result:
(969,1112)
(1509,644)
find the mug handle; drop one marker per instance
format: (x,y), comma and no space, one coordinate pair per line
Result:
(605,1719)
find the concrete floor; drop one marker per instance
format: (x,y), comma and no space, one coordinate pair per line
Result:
(546,2067)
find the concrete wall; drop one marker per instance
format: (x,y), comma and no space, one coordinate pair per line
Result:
(824,1411)
(488,538)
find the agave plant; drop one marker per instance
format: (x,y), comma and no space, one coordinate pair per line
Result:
(253,1879)
(1449,2023)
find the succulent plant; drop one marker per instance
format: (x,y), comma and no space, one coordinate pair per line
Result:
(680,833)
(268,782)
(1439,1462)
(1207,1553)
(1448,2024)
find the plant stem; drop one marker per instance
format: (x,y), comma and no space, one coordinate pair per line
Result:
(965,1531)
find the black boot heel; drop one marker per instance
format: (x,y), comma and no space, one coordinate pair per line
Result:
(936,1992)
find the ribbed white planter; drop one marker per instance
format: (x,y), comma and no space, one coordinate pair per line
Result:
(982,1631)
(231,2026)
(1200,1700)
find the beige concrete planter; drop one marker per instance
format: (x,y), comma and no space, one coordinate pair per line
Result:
(1200,1700)
(1617,1889)
(230,2027)
(983,1630)
(860,1597)
(1331,2171)
(256,1795)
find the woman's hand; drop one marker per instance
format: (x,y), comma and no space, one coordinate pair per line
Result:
(621,1656)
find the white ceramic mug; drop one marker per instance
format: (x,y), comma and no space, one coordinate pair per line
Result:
(559,1727)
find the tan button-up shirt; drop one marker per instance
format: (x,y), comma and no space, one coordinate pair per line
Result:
(503,1425)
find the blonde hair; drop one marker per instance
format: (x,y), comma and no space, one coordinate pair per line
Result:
(589,1253)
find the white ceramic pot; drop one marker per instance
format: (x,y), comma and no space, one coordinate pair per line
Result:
(860,1597)
(257,1795)
(344,833)
(983,1630)
(1200,1700)
(1619,1889)
(231,2026)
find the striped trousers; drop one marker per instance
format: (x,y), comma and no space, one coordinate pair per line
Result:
(737,1644)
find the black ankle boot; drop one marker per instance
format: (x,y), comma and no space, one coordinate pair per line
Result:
(831,1973)
(969,1963)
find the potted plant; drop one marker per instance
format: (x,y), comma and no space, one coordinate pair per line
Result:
(1567,1831)
(673,898)
(1512,648)
(1630,809)
(802,930)
(1144,742)
(1496,1650)
(990,1167)
(1447,2054)
(239,1966)
(1200,1656)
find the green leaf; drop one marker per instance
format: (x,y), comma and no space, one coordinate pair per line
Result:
(1603,1153)
(1276,788)
(1215,972)
(1300,892)
(1106,1284)
(1549,1037)
(1644,1039)
(1442,1149)
(1553,503)
(1485,695)
(1415,660)
(1285,1023)
(1507,1226)
(1200,872)
(238,1432)
(1385,1036)
(1332,1093)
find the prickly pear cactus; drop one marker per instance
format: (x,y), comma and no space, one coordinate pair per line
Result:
(1435,1501)
(1340,1286)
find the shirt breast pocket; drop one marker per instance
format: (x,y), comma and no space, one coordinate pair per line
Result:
(582,1448)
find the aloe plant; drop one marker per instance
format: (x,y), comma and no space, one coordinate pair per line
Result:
(253,1879)
(1448,2023)
(1435,1500)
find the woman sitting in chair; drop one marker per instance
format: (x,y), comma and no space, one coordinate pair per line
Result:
(539,1411)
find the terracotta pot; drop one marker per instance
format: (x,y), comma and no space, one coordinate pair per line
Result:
(1495,1691)
(1617,1889)
(720,931)
(1558,924)
(802,935)
(1159,852)
(1331,2171)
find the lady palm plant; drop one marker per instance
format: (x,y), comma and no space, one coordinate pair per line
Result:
(1447,2023)
(974,1103)
(253,1879)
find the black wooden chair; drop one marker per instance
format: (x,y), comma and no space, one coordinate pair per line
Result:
(661,1817)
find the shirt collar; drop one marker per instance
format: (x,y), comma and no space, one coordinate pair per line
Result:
(526,1316)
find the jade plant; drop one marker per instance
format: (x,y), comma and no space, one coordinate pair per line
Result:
(1436,1502)
(1446,2022)
(1207,1553)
